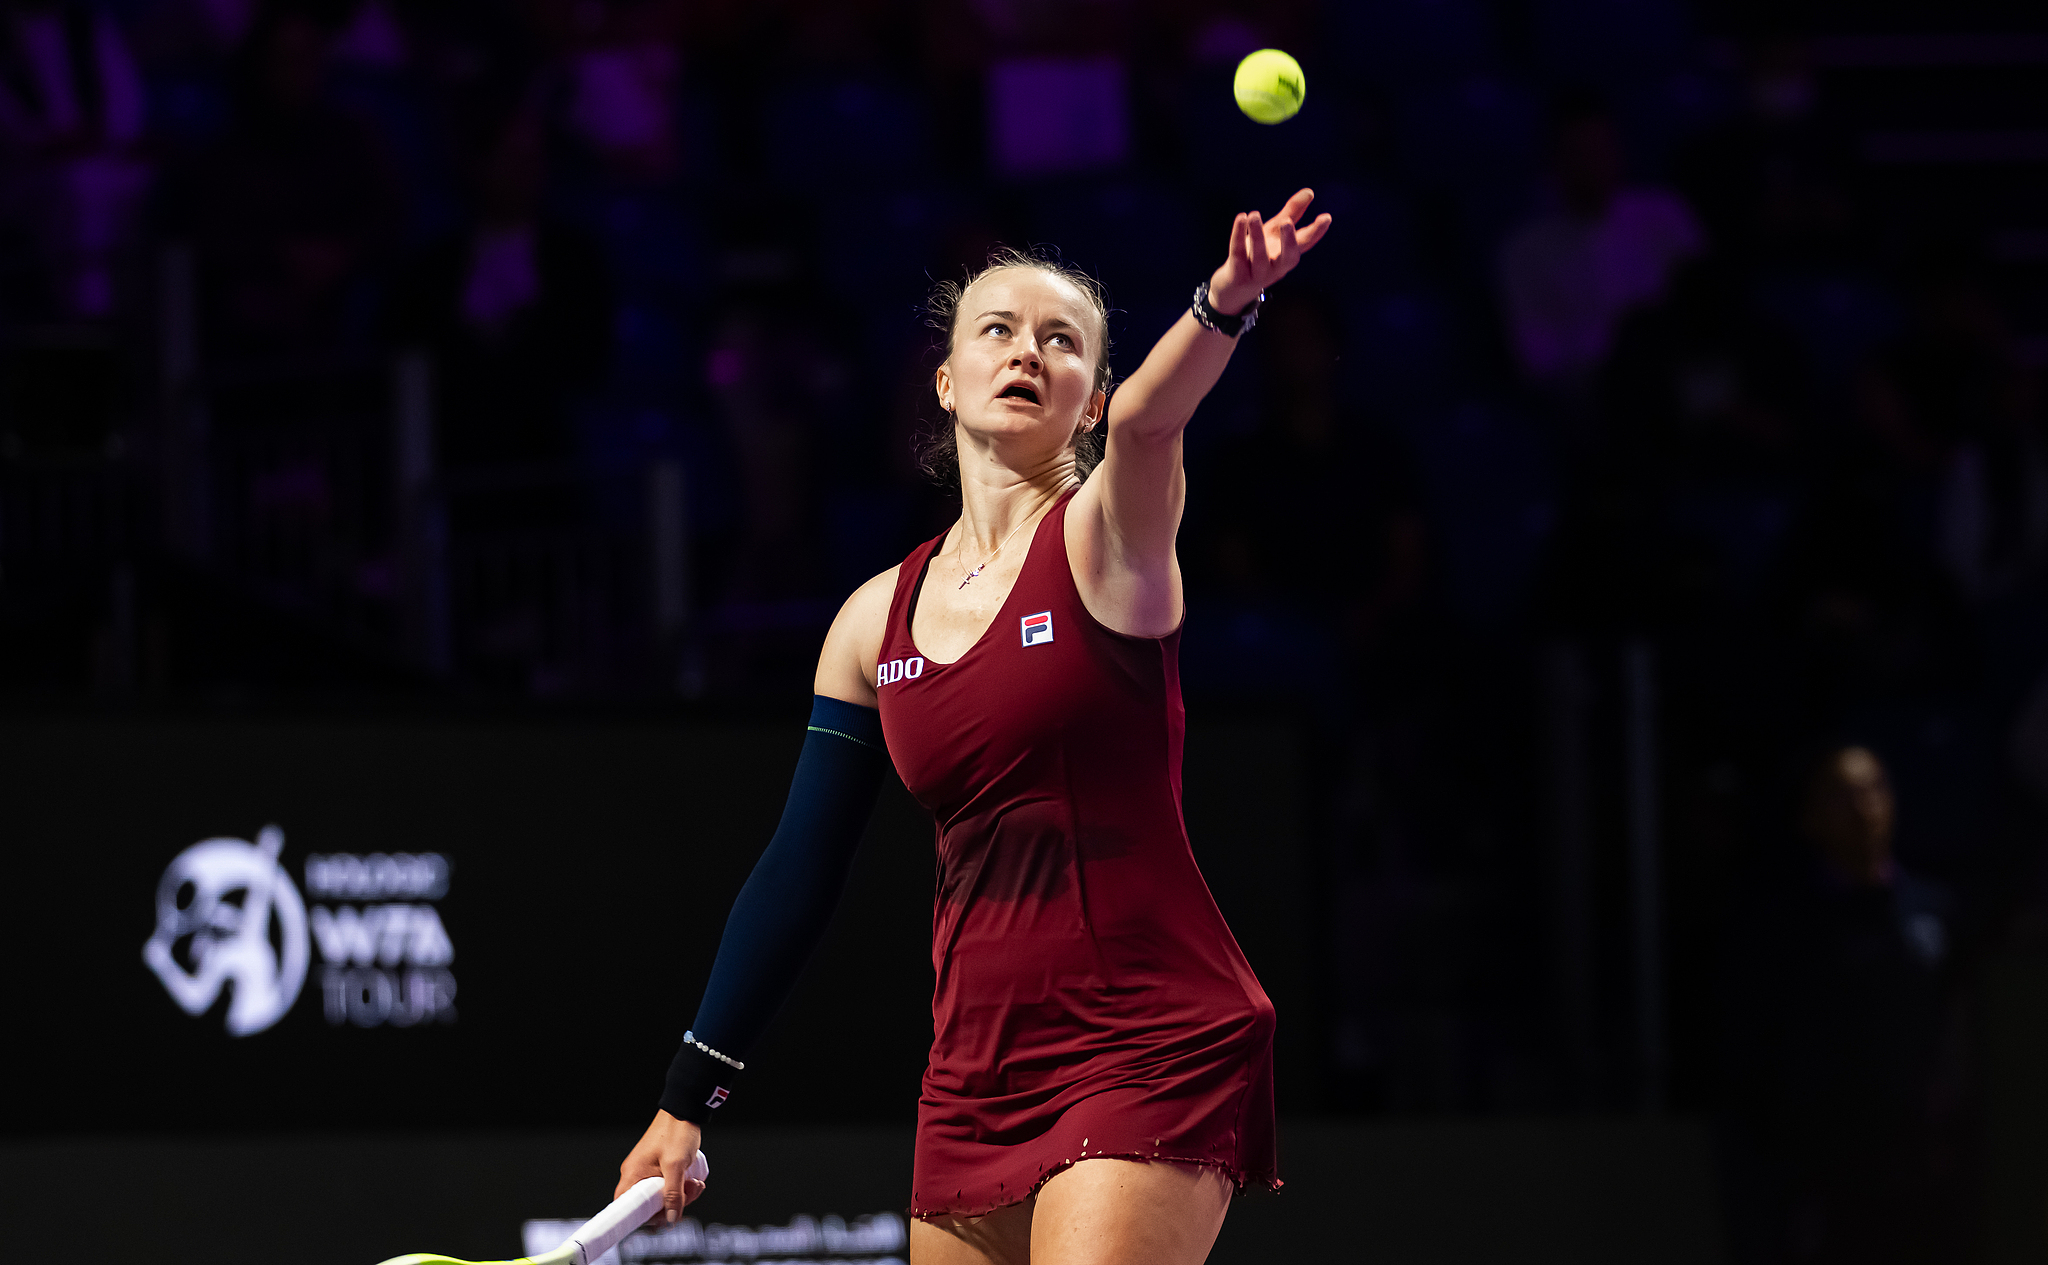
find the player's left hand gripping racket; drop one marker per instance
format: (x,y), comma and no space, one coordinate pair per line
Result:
(596,1236)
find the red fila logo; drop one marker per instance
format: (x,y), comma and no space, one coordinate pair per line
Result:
(717,1099)
(899,670)
(1038,628)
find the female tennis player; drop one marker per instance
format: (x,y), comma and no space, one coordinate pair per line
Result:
(1100,1080)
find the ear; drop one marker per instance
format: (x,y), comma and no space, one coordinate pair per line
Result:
(942,386)
(1091,417)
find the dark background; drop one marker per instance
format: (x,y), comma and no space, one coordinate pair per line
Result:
(450,425)
(581,852)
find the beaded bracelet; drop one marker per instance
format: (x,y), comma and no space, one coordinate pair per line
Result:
(733,1063)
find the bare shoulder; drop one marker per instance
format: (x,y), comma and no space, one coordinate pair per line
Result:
(846,666)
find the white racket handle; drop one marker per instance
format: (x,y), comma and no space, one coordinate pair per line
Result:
(627,1213)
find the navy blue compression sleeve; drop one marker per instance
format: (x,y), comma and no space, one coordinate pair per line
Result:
(782,911)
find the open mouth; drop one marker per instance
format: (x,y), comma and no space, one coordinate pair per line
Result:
(1018,391)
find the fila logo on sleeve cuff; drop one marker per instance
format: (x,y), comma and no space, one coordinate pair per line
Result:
(1038,628)
(717,1099)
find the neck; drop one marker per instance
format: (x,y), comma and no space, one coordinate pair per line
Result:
(996,499)
(992,521)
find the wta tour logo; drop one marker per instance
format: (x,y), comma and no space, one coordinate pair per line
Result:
(229,919)
(386,960)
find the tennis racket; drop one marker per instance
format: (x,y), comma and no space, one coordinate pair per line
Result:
(596,1236)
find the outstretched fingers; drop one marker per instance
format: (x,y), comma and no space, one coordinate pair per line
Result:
(1280,244)
(1297,206)
(1262,250)
(1307,237)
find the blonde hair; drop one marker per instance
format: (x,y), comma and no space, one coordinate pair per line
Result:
(938,454)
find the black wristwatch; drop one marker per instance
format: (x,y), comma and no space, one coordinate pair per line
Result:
(1228,326)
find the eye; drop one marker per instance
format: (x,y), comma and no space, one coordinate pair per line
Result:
(996,327)
(1063,340)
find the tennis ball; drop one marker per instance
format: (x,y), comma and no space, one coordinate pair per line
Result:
(1270,86)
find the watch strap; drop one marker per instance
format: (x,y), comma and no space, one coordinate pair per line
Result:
(1222,322)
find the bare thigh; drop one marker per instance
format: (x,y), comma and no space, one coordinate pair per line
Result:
(1098,1212)
(1003,1237)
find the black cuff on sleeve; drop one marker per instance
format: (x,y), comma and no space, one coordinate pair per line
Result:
(697,1085)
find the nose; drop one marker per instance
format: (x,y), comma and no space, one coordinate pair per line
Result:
(1027,359)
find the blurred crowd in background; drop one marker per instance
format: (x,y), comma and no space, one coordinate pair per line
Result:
(1662,418)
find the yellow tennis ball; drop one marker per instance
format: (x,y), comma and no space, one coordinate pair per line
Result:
(1270,86)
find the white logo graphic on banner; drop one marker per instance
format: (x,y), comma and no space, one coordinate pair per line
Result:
(386,961)
(226,912)
(876,1239)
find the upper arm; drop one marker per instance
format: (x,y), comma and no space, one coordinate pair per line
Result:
(846,666)
(1137,493)
(1123,522)
(1120,534)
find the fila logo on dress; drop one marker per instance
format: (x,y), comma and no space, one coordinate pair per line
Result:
(1038,628)
(899,670)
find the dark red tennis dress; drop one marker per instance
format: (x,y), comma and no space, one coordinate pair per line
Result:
(1090,999)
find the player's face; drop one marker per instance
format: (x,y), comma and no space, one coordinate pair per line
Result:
(1025,344)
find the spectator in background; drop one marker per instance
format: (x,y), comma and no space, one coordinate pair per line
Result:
(1955,412)
(1304,552)
(1705,405)
(782,391)
(2026,891)
(777,385)
(72,114)
(1832,1035)
(516,309)
(1602,249)
(291,212)
(1293,528)
(1772,183)
(2027,748)
(1704,386)
(623,70)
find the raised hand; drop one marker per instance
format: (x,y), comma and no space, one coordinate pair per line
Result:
(1262,251)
